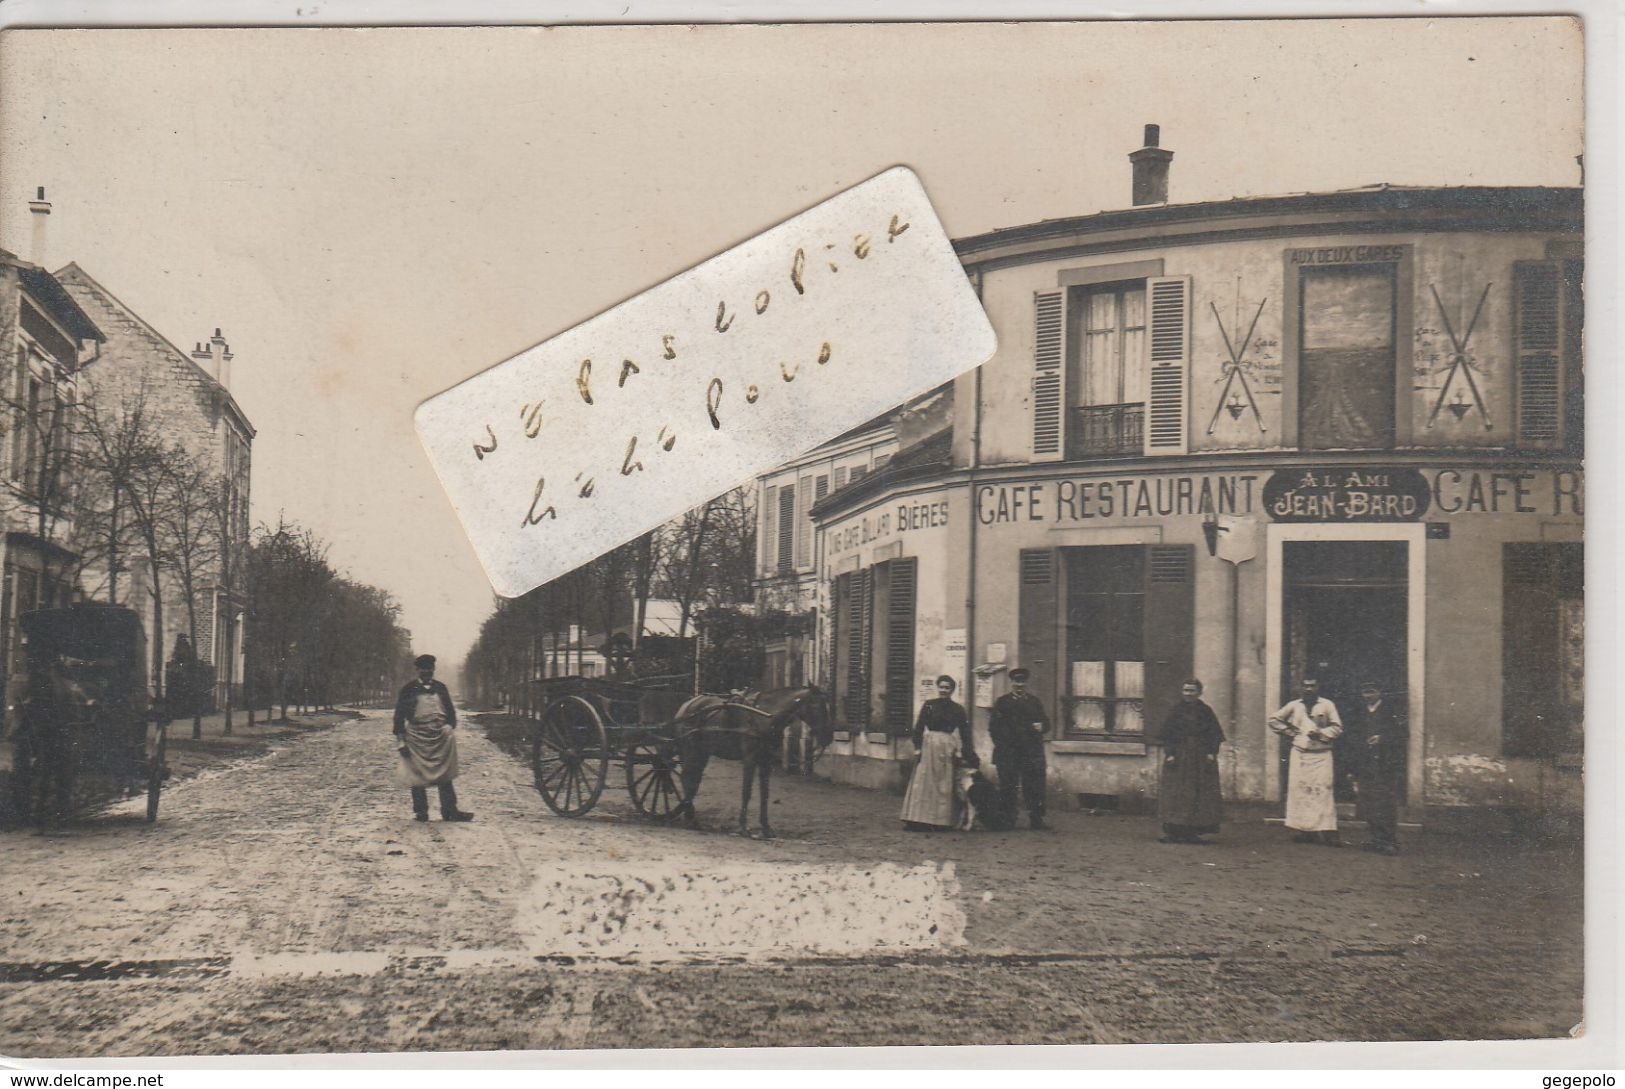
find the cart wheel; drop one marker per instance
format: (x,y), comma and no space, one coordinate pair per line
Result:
(569,756)
(155,774)
(654,779)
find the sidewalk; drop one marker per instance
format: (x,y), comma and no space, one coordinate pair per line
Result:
(186,755)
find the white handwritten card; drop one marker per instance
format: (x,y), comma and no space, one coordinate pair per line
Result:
(611,428)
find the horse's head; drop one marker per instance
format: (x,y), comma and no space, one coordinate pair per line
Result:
(815,711)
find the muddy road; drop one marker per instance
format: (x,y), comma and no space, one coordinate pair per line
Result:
(288,903)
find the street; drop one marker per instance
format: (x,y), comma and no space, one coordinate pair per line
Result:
(289,904)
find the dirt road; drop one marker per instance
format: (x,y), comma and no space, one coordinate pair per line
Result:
(290,904)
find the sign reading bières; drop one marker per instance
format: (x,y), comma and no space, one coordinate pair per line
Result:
(1346,495)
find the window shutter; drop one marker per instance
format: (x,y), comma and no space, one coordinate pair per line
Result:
(900,647)
(1170,629)
(787,528)
(820,489)
(1540,393)
(770,535)
(840,477)
(857,650)
(1168,365)
(1536,579)
(804,522)
(1039,637)
(1049,357)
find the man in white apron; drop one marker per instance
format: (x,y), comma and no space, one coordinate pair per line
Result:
(1312,724)
(424,724)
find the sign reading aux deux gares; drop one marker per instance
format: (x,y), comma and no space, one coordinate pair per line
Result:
(901,516)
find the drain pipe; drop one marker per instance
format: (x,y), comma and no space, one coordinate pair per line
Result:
(970,570)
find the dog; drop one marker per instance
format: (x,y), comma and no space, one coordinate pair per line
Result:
(965,785)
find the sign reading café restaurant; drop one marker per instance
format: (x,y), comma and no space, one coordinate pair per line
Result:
(1316,494)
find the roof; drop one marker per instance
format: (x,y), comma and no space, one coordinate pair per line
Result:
(1497,207)
(55,298)
(74,272)
(925,457)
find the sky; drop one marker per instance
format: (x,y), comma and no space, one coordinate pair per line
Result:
(372,216)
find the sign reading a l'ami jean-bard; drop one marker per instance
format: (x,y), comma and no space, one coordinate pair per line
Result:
(1346,495)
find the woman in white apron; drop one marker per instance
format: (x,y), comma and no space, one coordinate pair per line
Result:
(941,735)
(425,721)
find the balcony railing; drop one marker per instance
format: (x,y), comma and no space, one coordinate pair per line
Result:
(1105,430)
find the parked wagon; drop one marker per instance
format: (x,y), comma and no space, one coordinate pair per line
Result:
(588,723)
(78,722)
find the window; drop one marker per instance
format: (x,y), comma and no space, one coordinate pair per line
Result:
(1346,356)
(1108,653)
(1110,362)
(1107,370)
(1549,319)
(1105,638)
(873,637)
(1542,649)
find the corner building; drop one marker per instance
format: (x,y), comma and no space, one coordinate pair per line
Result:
(1370,402)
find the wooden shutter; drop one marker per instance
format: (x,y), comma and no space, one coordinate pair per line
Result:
(1039,637)
(770,535)
(857,650)
(1170,629)
(840,477)
(1533,719)
(820,489)
(787,529)
(1049,358)
(1168,362)
(900,647)
(804,502)
(1538,324)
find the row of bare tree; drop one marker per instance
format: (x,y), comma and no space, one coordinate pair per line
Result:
(124,509)
(701,560)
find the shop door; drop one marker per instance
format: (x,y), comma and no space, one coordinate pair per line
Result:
(1345,607)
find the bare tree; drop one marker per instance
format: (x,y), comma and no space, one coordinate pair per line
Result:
(186,535)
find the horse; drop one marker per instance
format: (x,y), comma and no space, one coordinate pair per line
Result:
(748,727)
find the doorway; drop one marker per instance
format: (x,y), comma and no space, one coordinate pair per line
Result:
(1344,622)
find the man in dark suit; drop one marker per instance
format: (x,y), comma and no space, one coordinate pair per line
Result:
(1018,726)
(1376,739)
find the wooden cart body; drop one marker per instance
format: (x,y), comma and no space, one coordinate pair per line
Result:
(78,721)
(588,723)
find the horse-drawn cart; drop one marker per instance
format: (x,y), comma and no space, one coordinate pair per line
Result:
(78,725)
(662,740)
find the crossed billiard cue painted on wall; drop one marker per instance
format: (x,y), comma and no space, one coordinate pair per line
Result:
(1458,358)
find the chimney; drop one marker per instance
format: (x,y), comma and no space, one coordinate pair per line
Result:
(1151,170)
(215,358)
(42,211)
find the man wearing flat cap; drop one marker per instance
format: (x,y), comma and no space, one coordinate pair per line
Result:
(424,721)
(1018,727)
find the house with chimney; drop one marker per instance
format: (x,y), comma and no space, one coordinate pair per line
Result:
(185,401)
(1333,435)
(46,341)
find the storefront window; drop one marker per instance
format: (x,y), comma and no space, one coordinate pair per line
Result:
(1105,625)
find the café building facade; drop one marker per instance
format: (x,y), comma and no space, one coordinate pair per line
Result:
(1334,435)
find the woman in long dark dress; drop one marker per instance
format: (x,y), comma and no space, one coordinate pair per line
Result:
(941,737)
(1189,801)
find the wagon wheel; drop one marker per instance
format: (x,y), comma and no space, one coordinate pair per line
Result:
(569,756)
(156,772)
(654,779)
